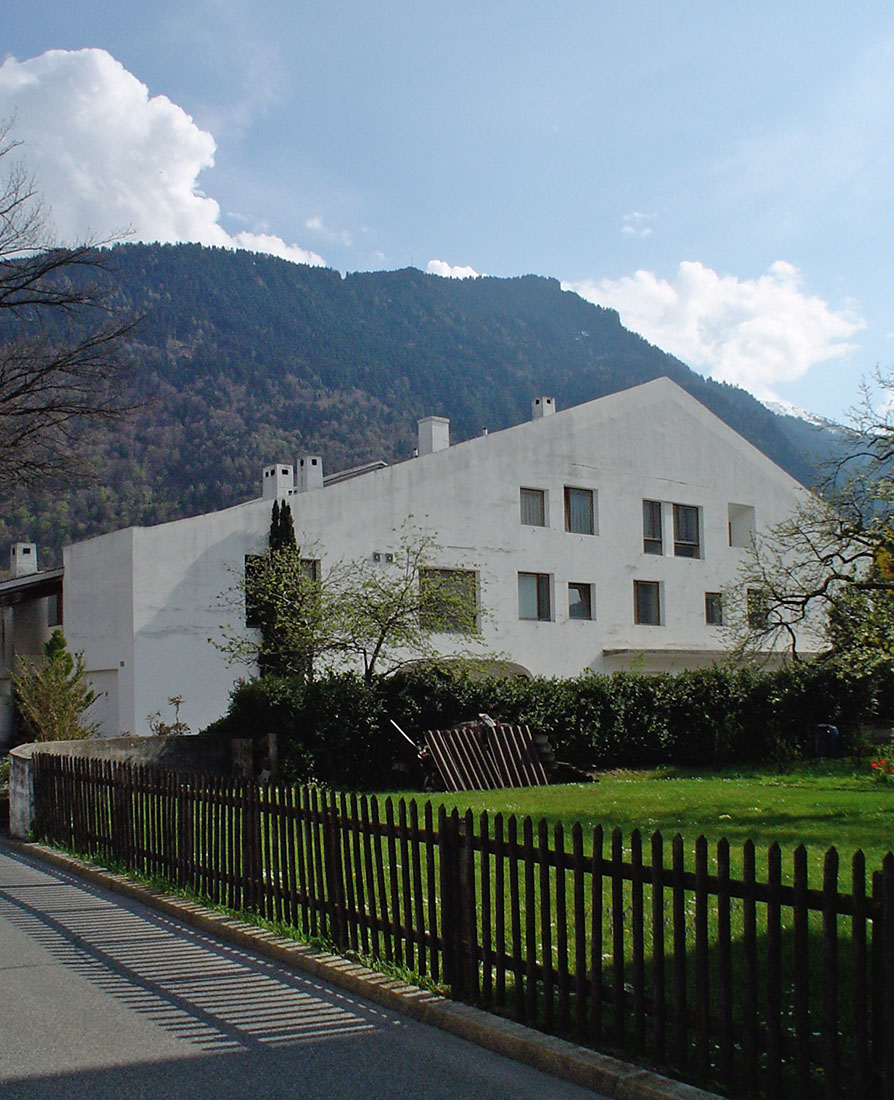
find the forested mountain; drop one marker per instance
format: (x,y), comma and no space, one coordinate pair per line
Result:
(242,359)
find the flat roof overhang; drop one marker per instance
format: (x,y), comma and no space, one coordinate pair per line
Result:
(34,586)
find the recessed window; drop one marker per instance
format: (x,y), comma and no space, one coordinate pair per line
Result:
(533,507)
(448,600)
(579,511)
(647,603)
(757,607)
(652,540)
(533,596)
(580,600)
(713,609)
(741,525)
(54,610)
(686,532)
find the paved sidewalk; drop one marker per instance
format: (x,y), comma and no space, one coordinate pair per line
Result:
(102,997)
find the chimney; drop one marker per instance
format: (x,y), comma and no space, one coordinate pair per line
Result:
(310,473)
(277,481)
(542,406)
(23,559)
(434,434)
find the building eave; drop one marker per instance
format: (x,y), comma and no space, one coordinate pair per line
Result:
(34,586)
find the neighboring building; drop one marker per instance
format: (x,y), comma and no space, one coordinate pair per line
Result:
(600,537)
(30,607)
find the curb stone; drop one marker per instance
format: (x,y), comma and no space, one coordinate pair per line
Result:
(600,1072)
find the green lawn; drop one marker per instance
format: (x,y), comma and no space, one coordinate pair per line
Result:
(819,805)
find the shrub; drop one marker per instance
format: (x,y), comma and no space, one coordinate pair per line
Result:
(336,730)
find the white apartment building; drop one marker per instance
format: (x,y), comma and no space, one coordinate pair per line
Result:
(600,537)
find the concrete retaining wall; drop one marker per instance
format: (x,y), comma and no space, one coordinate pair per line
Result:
(191,753)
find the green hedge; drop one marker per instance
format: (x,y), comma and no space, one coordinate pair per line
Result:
(336,730)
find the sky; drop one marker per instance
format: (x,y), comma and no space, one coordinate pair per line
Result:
(720,174)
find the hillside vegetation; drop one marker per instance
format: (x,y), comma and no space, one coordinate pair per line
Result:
(243,359)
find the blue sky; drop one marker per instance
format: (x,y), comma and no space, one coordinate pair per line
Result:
(721,174)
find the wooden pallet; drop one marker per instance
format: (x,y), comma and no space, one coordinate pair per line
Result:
(479,756)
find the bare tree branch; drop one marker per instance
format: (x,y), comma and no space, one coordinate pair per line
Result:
(60,337)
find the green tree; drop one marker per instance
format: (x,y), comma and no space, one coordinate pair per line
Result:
(53,695)
(379,613)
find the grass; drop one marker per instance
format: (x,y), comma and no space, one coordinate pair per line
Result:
(819,805)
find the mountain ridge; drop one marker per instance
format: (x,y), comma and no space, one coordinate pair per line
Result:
(242,359)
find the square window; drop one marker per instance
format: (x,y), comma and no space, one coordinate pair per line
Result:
(54,610)
(686,532)
(741,524)
(448,600)
(533,507)
(647,603)
(579,511)
(533,596)
(713,609)
(580,601)
(652,539)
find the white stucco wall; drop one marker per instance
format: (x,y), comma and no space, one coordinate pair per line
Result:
(98,615)
(152,597)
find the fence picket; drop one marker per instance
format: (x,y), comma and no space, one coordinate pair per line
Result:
(638,934)
(580,931)
(774,972)
(546,935)
(487,953)
(348,872)
(435,923)
(596,875)
(500,912)
(405,878)
(530,921)
(702,981)
(724,966)
(515,917)
(562,930)
(749,970)
(830,975)
(659,991)
(860,1074)
(801,974)
(397,938)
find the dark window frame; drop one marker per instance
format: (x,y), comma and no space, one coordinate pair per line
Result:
(533,494)
(685,546)
(542,597)
(585,591)
(571,514)
(653,543)
(641,615)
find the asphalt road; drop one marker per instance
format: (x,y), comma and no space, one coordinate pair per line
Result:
(103,998)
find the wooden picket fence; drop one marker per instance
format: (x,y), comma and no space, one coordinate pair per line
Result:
(759,985)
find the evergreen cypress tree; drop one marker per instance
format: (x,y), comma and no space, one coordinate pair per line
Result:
(273,537)
(287,528)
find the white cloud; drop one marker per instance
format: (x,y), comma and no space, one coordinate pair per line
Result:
(636,225)
(317,225)
(111,159)
(755,333)
(441,267)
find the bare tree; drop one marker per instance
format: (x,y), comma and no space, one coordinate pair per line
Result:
(832,561)
(60,336)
